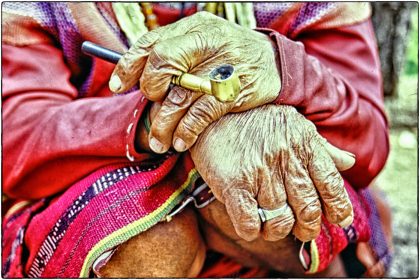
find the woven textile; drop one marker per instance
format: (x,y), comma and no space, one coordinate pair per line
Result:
(333,239)
(377,240)
(66,234)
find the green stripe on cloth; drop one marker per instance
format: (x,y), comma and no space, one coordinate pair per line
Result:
(138,226)
(146,120)
(314,257)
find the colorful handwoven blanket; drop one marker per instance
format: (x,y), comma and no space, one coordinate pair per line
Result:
(62,236)
(366,227)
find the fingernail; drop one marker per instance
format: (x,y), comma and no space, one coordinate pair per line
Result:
(156,146)
(347,221)
(350,154)
(115,83)
(346,161)
(179,145)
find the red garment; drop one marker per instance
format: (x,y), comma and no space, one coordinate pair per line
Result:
(333,78)
(50,139)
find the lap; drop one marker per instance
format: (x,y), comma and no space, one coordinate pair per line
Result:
(173,249)
(282,255)
(179,245)
(177,248)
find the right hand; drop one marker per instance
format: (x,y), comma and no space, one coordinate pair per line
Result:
(272,157)
(196,45)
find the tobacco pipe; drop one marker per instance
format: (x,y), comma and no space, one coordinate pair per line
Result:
(223,82)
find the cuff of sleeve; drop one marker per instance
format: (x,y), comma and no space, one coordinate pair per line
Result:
(287,50)
(134,121)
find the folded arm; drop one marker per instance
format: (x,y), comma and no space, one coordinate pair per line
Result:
(50,138)
(332,77)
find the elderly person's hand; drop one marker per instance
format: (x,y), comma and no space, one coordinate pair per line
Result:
(196,45)
(271,157)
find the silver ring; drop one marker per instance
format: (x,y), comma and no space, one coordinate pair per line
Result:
(267,215)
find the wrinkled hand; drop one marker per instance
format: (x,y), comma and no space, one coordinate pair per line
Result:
(196,45)
(272,157)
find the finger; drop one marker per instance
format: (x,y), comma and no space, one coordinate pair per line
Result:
(343,160)
(128,71)
(172,57)
(201,114)
(271,196)
(154,110)
(330,185)
(174,107)
(129,68)
(243,212)
(303,199)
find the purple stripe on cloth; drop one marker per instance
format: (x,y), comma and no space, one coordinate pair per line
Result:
(58,231)
(15,245)
(111,22)
(377,241)
(265,13)
(351,234)
(310,13)
(14,229)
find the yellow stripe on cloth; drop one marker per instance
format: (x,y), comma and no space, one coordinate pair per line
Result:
(136,227)
(314,258)
(16,207)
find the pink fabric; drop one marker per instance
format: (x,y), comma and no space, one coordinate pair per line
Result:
(60,232)
(333,239)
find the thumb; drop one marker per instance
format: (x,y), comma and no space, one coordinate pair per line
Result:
(130,67)
(343,160)
(173,56)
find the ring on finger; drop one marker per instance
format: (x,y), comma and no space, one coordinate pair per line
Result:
(267,215)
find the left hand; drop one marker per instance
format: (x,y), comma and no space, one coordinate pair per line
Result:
(271,157)
(196,45)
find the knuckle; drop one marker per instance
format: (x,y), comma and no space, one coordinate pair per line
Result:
(338,214)
(126,68)
(246,223)
(147,39)
(186,129)
(133,60)
(197,118)
(248,231)
(159,128)
(307,234)
(203,15)
(278,228)
(178,96)
(311,212)
(334,184)
(122,66)
(156,57)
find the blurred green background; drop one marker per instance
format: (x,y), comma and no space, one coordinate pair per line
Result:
(411,64)
(399,179)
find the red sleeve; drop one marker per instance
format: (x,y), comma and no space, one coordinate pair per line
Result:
(333,77)
(50,138)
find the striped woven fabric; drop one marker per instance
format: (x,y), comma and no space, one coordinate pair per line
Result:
(64,235)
